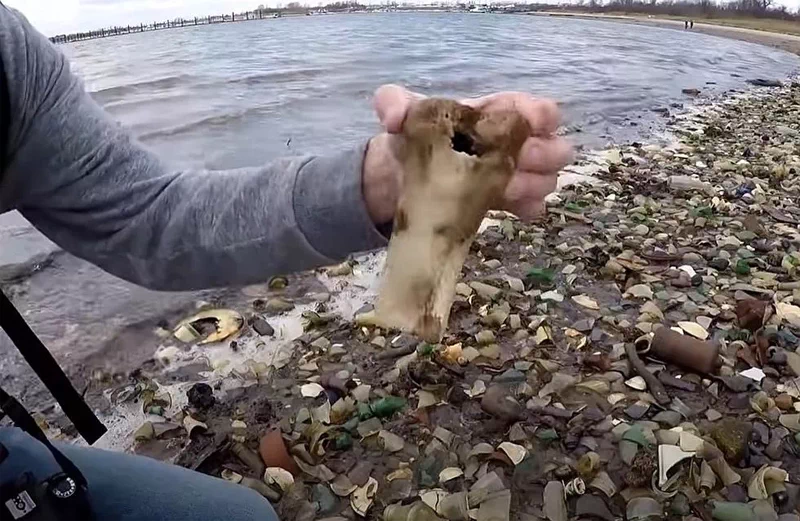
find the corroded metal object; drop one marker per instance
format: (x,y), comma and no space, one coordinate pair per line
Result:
(685,351)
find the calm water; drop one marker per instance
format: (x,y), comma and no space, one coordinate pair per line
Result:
(235,94)
(232,95)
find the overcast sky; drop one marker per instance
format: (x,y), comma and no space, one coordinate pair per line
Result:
(64,16)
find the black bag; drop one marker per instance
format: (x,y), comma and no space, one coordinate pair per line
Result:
(62,496)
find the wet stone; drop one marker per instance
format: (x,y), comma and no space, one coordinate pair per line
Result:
(262,327)
(680,505)
(760,433)
(593,507)
(668,418)
(584,325)
(637,410)
(510,376)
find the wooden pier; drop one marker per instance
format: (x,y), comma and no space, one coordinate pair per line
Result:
(259,14)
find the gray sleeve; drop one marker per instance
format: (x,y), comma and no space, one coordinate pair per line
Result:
(94,190)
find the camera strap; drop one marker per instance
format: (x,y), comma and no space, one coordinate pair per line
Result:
(51,374)
(23,419)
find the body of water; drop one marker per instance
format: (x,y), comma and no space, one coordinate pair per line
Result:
(232,95)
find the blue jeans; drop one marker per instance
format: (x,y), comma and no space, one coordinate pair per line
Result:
(125,487)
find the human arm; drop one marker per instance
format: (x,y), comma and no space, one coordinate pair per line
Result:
(82,180)
(94,190)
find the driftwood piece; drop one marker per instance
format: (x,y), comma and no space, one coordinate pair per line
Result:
(457,161)
(653,384)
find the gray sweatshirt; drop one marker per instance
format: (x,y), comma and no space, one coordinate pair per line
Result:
(89,186)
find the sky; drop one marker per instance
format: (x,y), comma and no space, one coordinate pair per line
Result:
(65,16)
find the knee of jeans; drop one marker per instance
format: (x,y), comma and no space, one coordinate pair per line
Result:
(25,454)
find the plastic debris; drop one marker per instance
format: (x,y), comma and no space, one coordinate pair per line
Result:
(668,457)
(707,477)
(450,473)
(694,329)
(575,487)
(516,453)
(311,390)
(361,499)
(214,325)
(754,373)
(766,481)
(280,477)
(586,301)
(193,426)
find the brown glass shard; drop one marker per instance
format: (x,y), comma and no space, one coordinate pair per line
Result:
(457,161)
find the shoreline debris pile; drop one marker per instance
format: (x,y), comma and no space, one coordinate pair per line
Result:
(633,356)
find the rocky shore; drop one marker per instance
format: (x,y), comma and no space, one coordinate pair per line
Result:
(557,393)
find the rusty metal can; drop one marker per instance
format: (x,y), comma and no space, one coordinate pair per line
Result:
(684,350)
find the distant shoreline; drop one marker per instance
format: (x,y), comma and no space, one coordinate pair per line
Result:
(783,41)
(786,42)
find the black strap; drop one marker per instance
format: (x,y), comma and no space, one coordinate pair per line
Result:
(48,370)
(5,116)
(23,419)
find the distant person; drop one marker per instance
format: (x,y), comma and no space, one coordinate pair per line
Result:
(686,24)
(86,183)
(691,24)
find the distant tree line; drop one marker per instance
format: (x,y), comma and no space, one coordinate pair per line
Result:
(295,7)
(695,8)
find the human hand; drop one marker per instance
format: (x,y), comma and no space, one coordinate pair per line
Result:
(541,157)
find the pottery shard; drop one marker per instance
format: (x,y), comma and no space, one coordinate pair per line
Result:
(274,454)
(554,506)
(457,162)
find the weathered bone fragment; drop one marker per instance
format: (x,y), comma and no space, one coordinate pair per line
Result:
(457,161)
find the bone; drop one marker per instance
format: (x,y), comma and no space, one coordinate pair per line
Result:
(457,162)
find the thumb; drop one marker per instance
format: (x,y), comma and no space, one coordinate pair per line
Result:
(391,103)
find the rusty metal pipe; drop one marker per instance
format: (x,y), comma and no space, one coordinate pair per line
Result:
(684,351)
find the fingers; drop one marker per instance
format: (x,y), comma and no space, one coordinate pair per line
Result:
(525,194)
(545,155)
(391,103)
(542,115)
